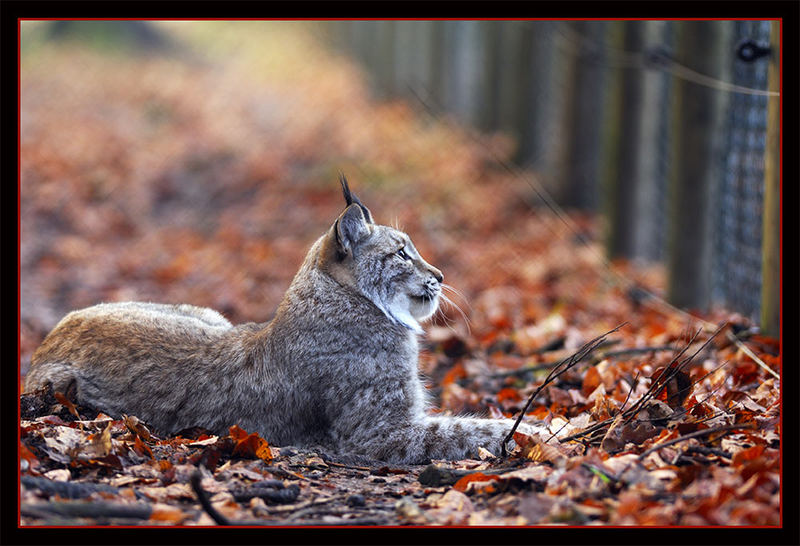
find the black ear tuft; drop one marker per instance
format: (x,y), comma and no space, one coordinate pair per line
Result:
(351,198)
(348,197)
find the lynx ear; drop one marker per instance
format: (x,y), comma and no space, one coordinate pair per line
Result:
(351,227)
(351,198)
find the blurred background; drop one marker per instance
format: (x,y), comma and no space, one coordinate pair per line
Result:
(560,173)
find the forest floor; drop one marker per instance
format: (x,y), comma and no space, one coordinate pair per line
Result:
(203,176)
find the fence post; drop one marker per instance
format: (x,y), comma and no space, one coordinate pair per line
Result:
(381,50)
(404,62)
(464,87)
(611,136)
(622,211)
(770,264)
(437,62)
(698,126)
(488,114)
(539,54)
(581,157)
(510,77)
(564,160)
(649,203)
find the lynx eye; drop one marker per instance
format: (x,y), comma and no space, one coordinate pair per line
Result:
(402,254)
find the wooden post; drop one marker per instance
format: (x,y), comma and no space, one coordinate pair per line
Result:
(537,52)
(510,88)
(563,161)
(698,116)
(771,234)
(382,52)
(611,135)
(551,104)
(581,158)
(648,203)
(437,62)
(424,51)
(404,56)
(464,87)
(490,83)
(622,210)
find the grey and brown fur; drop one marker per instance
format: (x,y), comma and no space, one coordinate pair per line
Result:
(336,367)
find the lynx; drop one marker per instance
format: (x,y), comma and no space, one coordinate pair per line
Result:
(336,367)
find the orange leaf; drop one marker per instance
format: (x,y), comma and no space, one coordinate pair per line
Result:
(253,446)
(453,374)
(463,483)
(169,514)
(508,394)
(749,454)
(141,448)
(540,412)
(237,433)
(27,455)
(590,381)
(67,403)
(136,427)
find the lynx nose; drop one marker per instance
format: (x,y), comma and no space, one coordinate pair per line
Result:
(437,274)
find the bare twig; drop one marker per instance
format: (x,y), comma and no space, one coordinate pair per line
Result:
(202,496)
(560,368)
(70,490)
(630,391)
(543,366)
(88,509)
(556,432)
(634,351)
(703,450)
(695,434)
(740,344)
(349,467)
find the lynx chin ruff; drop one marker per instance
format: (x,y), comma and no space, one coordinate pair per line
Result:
(336,367)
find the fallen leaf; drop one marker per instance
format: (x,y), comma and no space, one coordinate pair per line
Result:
(249,446)
(67,403)
(136,427)
(463,483)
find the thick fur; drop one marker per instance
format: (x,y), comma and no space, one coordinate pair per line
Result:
(336,367)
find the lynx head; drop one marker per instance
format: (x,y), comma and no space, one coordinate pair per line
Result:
(382,264)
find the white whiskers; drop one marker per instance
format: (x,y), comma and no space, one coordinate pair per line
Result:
(444,298)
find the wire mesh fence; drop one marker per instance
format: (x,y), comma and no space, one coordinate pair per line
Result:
(737,264)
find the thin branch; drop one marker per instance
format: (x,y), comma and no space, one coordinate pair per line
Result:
(695,434)
(543,366)
(88,509)
(752,355)
(635,351)
(556,432)
(562,367)
(630,391)
(202,496)
(585,432)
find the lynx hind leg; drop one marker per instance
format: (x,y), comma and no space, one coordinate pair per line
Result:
(58,376)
